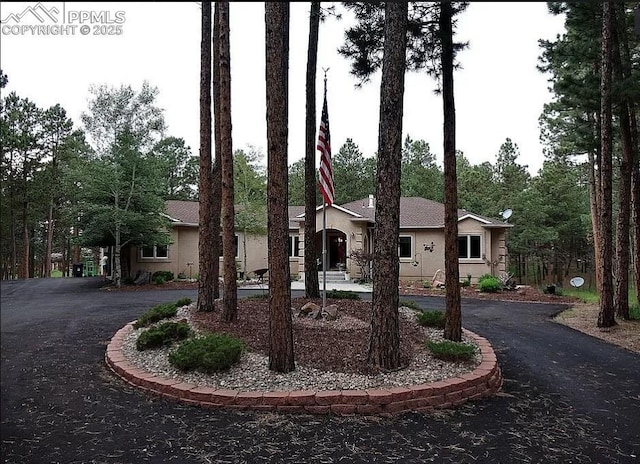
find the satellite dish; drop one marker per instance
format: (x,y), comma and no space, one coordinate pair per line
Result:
(577,282)
(506,214)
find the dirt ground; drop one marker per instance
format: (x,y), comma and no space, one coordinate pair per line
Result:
(584,317)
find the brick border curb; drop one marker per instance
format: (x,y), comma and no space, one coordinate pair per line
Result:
(484,381)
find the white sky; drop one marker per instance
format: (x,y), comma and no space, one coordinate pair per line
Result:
(498,93)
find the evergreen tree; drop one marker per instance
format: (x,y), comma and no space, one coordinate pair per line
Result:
(281,355)
(384,339)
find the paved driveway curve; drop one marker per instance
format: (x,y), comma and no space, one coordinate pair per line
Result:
(566,398)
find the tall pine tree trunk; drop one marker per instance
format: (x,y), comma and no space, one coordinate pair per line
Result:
(384,339)
(635,194)
(49,250)
(281,356)
(453,316)
(230,291)
(311,284)
(606,316)
(621,294)
(206,301)
(216,183)
(26,242)
(594,199)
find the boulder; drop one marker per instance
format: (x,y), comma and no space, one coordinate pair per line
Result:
(142,278)
(331,312)
(308,308)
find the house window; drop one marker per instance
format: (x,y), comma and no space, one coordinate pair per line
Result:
(405,246)
(154,252)
(469,247)
(293,246)
(235,244)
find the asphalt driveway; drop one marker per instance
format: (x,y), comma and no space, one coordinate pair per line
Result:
(567,397)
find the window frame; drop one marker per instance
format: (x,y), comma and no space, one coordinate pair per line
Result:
(293,246)
(469,247)
(237,244)
(154,250)
(411,247)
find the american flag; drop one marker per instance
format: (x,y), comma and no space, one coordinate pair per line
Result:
(325,181)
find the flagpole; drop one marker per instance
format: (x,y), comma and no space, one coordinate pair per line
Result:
(326,184)
(324,256)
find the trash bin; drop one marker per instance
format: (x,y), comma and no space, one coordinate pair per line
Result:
(77,270)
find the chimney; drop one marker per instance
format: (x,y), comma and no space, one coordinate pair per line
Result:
(370,201)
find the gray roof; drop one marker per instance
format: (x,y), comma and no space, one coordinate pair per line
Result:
(415,212)
(187,212)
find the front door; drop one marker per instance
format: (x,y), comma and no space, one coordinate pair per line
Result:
(337,252)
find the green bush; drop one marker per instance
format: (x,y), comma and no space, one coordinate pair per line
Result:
(209,353)
(490,285)
(343,294)
(166,275)
(485,277)
(451,351)
(155,314)
(431,319)
(159,280)
(183,302)
(164,334)
(426,284)
(634,311)
(409,304)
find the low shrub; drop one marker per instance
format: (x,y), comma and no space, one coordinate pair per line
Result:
(426,284)
(490,285)
(155,314)
(162,335)
(451,351)
(166,275)
(431,319)
(343,294)
(186,301)
(209,353)
(634,311)
(159,280)
(409,304)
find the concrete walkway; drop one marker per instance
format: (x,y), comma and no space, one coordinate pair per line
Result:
(347,285)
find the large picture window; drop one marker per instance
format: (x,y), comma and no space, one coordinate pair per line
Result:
(154,252)
(405,246)
(469,247)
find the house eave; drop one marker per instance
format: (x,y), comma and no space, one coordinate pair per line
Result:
(497,226)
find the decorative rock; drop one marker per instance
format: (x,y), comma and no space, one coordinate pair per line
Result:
(309,307)
(331,312)
(142,278)
(316,314)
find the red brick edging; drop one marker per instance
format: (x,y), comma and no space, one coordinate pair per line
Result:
(484,381)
